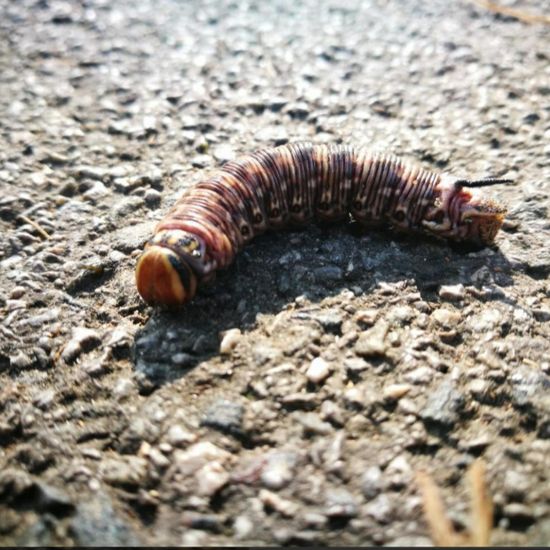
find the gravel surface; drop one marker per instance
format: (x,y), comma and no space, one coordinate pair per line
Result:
(293,401)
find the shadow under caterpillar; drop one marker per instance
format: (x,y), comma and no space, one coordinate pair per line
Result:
(296,184)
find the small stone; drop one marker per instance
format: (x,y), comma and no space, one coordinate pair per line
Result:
(355,365)
(480,390)
(420,375)
(452,292)
(401,315)
(444,405)
(152,198)
(487,320)
(83,340)
(318,371)
(328,274)
(340,503)
(195,457)
(394,392)
(211,478)
(45,399)
(223,153)
(179,437)
(18,292)
(225,416)
(475,445)
(230,340)
(242,527)
(124,388)
(279,470)
(300,400)
(517,510)
(195,521)
(446,317)
(354,398)
(90,172)
(273,501)
(96,522)
(516,485)
(380,509)
(276,135)
(313,424)
(373,341)
(372,482)
(126,471)
(96,191)
(332,412)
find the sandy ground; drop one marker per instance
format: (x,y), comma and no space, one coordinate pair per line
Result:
(352,360)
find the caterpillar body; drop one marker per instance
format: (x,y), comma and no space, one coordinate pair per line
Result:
(295,184)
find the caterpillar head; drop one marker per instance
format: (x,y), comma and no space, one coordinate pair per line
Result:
(460,212)
(166,272)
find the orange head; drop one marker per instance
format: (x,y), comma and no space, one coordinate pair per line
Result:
(166,273)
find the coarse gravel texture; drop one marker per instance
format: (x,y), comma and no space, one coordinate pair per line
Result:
(293,401)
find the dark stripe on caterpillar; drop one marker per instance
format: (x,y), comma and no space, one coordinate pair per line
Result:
(294,184)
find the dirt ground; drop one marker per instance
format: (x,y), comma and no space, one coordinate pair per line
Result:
(294,400)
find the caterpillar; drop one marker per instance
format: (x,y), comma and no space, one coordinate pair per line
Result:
(295,184)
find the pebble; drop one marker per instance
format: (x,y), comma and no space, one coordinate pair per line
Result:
(124,388)
(273,501)
(279,470)
(225,416)
(211,478)
(401,315)
(420,376)
(480,390)
(373,341)
(339,502)
(300,400)
(446,317)
(178,436)
(190,460)
(125,471)
(242,527)
(96,522)
(487,320)
(83,340)
(332,412)
(355,365)
(394,392)
(274,135)
(516,484)
(90,172)
(313,424)
(372,482)
(380,509)
(452,293)
(318,371)
(229,341)
(152,198)
(223,153)
(195,521)
(328,274)
(444,405)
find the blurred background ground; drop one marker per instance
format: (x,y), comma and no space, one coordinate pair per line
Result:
(358,359)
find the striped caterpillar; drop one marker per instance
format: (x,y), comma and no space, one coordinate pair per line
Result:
(294,184)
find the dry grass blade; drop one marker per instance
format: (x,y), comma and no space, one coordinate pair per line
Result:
(41,231)
(441,528)
(511,12)
(482,505)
